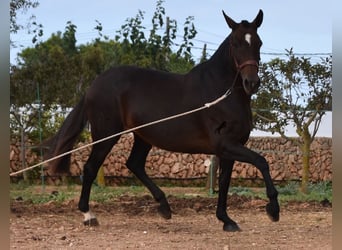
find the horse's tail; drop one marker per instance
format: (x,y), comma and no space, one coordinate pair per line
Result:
(65,138)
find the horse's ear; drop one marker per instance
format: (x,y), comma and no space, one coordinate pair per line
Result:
(258,20)
(231,23)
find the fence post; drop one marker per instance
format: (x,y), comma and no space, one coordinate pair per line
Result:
(23,149)
(212,174)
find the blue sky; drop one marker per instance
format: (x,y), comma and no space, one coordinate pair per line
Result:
(305,26)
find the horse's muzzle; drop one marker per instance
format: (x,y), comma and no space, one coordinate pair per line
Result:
(249,75)
(251,84)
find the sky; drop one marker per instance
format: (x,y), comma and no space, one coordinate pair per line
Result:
(305,26)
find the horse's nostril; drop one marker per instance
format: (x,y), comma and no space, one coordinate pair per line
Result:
(251,85)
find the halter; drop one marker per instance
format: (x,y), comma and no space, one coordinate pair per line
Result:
(238,66)
(246,63)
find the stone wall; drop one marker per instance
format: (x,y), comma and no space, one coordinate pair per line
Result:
(283,157)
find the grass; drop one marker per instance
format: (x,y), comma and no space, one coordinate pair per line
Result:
(38,194)
(105,194)
(59,194)
(316,192)
(291,192)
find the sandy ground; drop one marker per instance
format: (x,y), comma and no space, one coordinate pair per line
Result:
(132,223)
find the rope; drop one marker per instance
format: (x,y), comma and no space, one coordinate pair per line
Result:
(206,105)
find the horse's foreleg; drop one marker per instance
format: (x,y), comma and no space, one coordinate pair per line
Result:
(272,208)
(136,163)
(224,181)
(243,154)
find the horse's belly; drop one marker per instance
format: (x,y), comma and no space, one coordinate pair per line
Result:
(177,138)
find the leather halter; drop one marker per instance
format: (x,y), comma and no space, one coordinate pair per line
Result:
(239,67)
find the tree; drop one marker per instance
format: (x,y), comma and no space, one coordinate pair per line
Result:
(156,50)
(52,65)
(23,6)
(294,91)
(204,56)
(32,25)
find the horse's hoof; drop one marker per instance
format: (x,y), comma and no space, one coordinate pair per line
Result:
(231,227)
(272,212)
(165,212)
(93,222)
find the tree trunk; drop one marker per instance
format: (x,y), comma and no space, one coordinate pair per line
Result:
(306,162)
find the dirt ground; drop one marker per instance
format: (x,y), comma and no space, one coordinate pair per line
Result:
(132,223)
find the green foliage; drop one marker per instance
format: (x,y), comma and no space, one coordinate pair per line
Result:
(50,66)
(189,33)
(320,191)
(290,192)
(290,188)
(155,51)
(242,191)
(23,6)
(204,56)
(316,192)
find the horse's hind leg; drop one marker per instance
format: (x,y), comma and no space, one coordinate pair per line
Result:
(136,163)
(96,158)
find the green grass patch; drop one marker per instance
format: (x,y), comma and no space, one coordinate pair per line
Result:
(290,192)
(42,194)
(316,192)
(38,194)
(106,194)
(244,191)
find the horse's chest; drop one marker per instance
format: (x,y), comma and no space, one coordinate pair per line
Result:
(235,128)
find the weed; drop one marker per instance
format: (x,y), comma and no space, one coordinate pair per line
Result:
(242,191)
(290,188)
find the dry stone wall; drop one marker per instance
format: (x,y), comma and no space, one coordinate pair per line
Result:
(283,157)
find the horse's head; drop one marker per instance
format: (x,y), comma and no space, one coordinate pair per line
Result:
(245,49)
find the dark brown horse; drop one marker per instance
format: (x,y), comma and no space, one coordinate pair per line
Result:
(125,97)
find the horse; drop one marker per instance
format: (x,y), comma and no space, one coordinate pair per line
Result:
(124,97)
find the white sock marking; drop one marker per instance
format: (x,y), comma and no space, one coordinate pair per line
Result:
(88,216)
